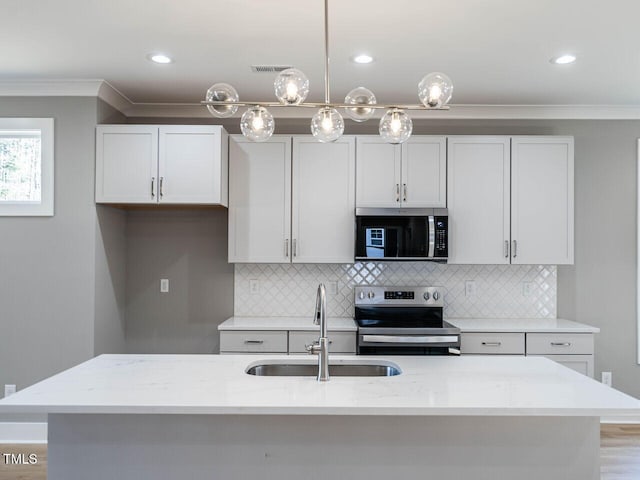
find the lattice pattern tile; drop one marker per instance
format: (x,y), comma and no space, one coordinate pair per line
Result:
(290,289)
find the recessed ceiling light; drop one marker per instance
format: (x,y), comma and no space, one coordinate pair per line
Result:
(563,59)
(363,58)
(159,58)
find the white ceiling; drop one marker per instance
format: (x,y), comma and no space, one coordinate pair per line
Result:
(495,51)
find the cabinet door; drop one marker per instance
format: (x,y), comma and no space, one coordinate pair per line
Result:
(260,200)
(580,363)
(323,193)
(126,164)
(542,200)
(478,184)
(192,167)
(424,172)
(377,173)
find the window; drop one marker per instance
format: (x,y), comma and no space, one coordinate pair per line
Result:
(26,166)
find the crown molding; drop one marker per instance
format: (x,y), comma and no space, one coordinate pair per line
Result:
(108,93)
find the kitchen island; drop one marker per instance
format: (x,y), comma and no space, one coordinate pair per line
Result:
(201,416)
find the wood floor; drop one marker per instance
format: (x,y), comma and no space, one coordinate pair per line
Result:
(619,454)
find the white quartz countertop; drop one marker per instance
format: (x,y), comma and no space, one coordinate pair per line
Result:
(334,324)
(516,325)
(217,384)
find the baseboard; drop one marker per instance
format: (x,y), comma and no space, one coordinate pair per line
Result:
(620,420)
(23,432)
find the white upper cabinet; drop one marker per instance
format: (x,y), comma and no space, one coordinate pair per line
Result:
(478,199)
(510,200)
(126,163)
(323,193)
(542,200)
(182,164)
(291,205)
(409,175)
(424,172)
(260,200)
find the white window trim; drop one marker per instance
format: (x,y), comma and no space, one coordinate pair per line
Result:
(45,207)
(638,252)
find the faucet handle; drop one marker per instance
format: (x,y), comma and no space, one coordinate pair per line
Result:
(312,348)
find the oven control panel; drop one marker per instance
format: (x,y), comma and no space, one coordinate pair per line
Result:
(399,296)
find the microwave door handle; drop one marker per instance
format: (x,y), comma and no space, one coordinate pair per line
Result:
(432,236)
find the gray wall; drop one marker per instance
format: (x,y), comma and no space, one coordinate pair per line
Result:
(47,263)
(188,247)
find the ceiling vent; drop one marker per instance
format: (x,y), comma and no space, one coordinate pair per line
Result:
(268,68)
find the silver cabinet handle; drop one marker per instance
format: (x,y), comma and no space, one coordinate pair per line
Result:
(560,344)
(295,247)
(153,187)
(397,192)
(492,344)
(253,342)
(514,249)
(286,247)
(506,249)
(404,192)
(161,184)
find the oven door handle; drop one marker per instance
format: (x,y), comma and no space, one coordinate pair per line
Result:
(410,339)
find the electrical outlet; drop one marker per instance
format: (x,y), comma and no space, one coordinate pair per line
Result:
(254,286)
(470,288)
(164,285)
(607,378)
(332,288)
(526,288)
(9,390)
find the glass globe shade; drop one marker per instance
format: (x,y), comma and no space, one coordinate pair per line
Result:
(395,126)
(435,90)
(222,92)
(360,96)
(291,86)
(327,125)
(257,124)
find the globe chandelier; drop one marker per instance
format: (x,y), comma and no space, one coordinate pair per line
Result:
(291,88)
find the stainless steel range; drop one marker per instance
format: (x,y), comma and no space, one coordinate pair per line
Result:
(403,321)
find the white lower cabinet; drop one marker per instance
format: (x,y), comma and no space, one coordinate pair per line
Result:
(258,341)
(282,341)
(339,342)
(573,350)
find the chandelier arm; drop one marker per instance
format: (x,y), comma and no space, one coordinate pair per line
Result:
(326,52)
(373,106)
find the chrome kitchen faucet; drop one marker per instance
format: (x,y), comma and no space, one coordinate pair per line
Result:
(321,347)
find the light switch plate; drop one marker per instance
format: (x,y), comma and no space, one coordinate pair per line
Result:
(254,286)
(164,285)
(9,390)
(469,288)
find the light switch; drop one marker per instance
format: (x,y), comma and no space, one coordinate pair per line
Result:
(470,288)
(164,285)
(254,286)
(9,390)
(526,288)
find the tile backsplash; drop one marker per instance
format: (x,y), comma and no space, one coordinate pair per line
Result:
(290,289)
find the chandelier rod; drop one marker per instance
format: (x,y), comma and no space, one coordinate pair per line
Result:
(326,52)
(376,106)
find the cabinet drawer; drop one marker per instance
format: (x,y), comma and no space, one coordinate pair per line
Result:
(559,344)
(253,341)
(492,343)
(339,342)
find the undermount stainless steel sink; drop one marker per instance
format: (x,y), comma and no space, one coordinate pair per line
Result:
(311,370)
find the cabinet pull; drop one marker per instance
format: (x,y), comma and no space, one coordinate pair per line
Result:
(161,184)
(404,192)
(286,247)
(253,342)
(492,344)
(506,249)
(153,187)
(560,344)
(397,192)
(514,249)
(295,247)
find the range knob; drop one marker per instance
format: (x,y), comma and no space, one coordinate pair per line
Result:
(426,296)
(361,295)
(436,295)
(371,294)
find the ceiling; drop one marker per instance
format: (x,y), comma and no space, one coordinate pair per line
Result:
(496,51)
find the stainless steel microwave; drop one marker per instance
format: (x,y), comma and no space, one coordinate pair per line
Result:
(402,234)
